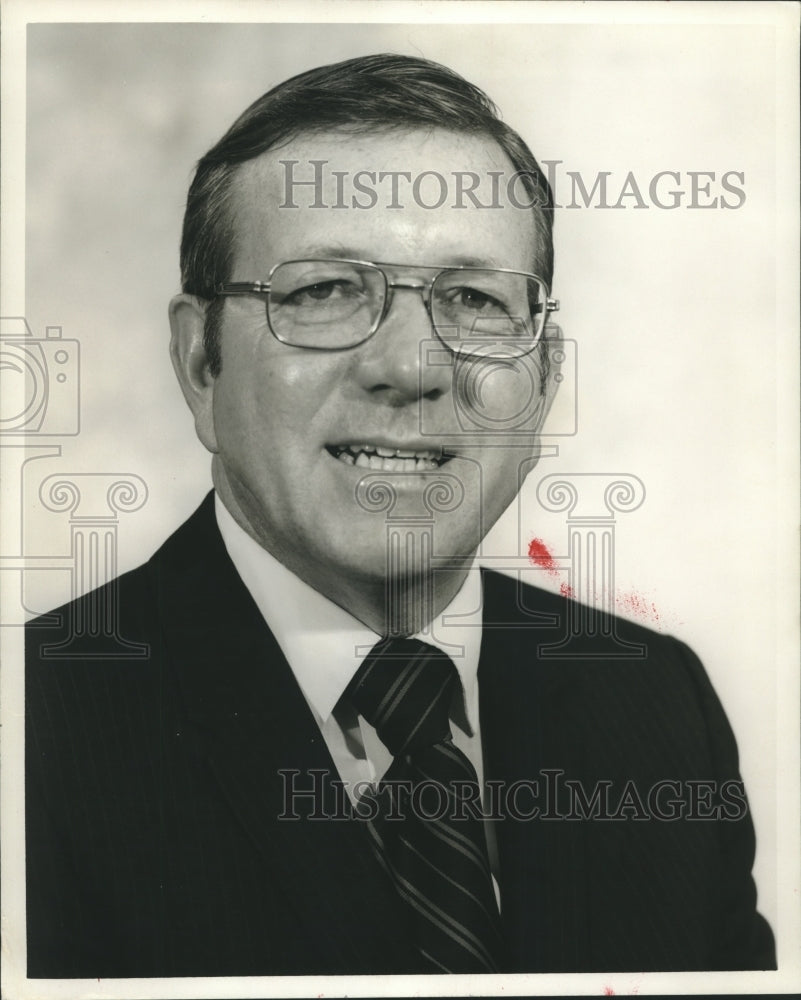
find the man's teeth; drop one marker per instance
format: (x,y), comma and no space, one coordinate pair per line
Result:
(369,456)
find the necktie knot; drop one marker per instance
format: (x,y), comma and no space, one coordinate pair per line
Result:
(404,689)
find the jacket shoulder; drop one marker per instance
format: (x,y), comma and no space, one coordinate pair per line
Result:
(634,681)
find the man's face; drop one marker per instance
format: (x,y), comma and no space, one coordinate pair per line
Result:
(295,430)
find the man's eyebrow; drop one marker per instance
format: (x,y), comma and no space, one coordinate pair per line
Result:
(339,252)
(460,260)
(335,250)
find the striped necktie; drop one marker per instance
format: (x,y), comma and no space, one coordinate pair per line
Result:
(428,833)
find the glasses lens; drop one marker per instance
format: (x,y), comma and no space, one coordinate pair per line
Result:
(479,311)
(325,304)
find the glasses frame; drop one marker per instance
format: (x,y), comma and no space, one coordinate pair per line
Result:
(262,288)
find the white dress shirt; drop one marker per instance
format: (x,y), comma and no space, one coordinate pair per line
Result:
(325,645)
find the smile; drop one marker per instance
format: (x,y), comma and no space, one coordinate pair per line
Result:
(383,459)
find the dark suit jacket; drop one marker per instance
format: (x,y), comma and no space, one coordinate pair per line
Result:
(154,846)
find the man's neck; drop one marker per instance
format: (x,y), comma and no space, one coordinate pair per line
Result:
(405,605)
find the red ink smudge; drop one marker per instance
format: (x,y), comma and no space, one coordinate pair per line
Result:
(540,555)
(639,607)
(608,991)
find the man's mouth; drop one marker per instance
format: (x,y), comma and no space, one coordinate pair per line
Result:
(383,459)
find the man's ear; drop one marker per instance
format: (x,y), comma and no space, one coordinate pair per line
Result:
(189,359)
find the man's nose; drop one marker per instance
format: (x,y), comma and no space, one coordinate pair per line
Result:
(404,360)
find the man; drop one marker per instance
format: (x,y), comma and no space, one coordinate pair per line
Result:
(366,266)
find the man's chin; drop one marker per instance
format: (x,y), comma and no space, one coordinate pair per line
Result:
(402,564)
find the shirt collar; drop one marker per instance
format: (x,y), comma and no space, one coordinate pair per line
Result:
(324,644)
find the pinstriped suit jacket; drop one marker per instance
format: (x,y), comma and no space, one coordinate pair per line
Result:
(154,790)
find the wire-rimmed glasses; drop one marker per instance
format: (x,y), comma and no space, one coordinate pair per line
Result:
(333,304)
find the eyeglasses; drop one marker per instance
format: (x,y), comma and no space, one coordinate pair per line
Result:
(332,305)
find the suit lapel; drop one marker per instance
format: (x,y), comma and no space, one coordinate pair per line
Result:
(262,742)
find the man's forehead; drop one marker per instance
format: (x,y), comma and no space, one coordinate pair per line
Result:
(423,195)
(396,149)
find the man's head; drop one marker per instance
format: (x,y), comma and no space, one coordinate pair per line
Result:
(296,429)
(380,93)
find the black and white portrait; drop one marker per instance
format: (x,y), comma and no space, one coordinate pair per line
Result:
(397,469)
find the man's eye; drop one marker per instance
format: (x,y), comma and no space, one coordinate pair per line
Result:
(335,290)
(476,301)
